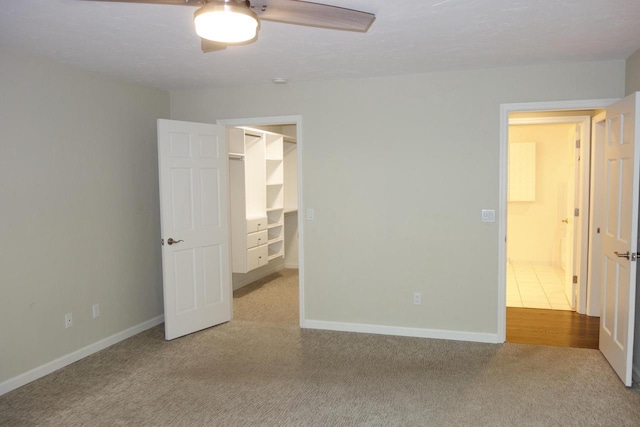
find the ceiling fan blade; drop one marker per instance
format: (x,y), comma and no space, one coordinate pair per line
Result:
(211,46)
(171,2)
(313,15)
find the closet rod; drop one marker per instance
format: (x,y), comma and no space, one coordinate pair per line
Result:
(236,157)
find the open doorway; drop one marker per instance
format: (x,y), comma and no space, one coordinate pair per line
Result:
(548,187)
(558,108)
(547,229)
(277,170)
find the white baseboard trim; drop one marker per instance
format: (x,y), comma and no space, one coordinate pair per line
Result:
(400,331)
(61,362)
(291,265)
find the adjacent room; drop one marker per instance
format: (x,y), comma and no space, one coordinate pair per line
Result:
(327,220)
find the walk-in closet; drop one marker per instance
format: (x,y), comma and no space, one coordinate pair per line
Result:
(263,195)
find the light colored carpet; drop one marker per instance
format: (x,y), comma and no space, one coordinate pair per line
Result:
(262,370)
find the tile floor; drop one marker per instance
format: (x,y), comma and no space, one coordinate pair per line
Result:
(536,286)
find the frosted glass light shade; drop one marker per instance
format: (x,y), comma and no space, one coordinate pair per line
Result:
(226,23)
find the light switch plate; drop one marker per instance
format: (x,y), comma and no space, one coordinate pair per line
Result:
(310,214)
(488,215)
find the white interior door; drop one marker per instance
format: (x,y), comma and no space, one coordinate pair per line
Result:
(193,169)
(620,237)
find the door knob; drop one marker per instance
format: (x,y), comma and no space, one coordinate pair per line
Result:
(626,255)
(171,241)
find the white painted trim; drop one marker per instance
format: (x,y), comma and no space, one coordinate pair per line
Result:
(502,223)
(586,104)
(595,213)
(301,209)
(61,362)
(291,265)
(548,120)
(440,334)
(505,110)
(279,120)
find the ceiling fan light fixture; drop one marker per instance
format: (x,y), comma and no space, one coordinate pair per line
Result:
(226,22)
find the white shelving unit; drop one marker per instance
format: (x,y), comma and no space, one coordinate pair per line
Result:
(256,168)
(275,193)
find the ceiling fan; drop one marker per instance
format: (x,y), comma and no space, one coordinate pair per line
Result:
(222,23)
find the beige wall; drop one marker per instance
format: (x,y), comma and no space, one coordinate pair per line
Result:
(79,208)
(633,73)
(398,170)
(534,229)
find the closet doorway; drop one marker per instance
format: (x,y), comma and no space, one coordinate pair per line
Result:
(284,228)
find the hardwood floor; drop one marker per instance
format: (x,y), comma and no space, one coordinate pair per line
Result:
(552,327)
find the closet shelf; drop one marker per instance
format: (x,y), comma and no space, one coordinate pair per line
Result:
(274,225)
(276,240)
(275,184)
(274,209)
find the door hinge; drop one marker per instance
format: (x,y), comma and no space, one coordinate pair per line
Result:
(575,279)
(577,143)
(576,212)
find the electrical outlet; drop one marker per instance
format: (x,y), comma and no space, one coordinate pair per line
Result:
(68,320)
(417,298)
(96,311)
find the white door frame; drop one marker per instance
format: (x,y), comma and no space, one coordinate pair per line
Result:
(582,225)
(596,210)
(281,120)
(505,110)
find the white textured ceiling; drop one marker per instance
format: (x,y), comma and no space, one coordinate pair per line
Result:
(156,45)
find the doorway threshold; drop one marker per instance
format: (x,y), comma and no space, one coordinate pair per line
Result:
(552,327)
